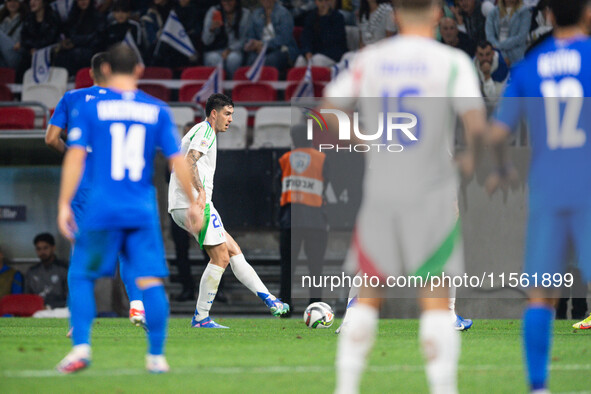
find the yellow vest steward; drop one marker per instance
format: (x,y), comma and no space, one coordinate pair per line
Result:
(301,177)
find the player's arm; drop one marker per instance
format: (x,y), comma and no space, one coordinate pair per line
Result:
(191,158)
(179,165)
(474,122)
(72,169)
(53,138)
(504,172)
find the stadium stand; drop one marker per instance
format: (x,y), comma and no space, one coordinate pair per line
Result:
(48,93)
(157,73)
(187,92)
(267,74)
(5,93)
(7,75)
(22,305)
(159,91)
(254,92)
(319,74)
(272,128)
(19,118)
(199,73)
(83,79)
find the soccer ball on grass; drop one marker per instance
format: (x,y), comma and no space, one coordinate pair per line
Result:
(318,315)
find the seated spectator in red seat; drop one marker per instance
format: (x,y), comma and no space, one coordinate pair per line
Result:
(116,30)
(11,24)
(41,28)
(224,35)
(272,24)
(83,31)
(324,40)
(451,36)
(375,21)
(49,278)
(11,281)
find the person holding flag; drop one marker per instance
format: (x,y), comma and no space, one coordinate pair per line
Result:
(224,35)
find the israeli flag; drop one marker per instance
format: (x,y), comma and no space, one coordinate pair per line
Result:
(254,72)
(131,43)
(211,86)
(62,8)
(306,85)
(174,34)
(41,63)
(339,68)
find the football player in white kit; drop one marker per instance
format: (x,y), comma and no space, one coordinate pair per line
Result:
(407,224)
(200,148)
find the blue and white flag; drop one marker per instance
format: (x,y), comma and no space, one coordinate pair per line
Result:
(339,68)
(174,34)
(211,86)
(62,8)
(306,85)
(41,64)
(254,72)
(131,43)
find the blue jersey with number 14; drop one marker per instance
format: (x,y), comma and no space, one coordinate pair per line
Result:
(124,130)
(549,88)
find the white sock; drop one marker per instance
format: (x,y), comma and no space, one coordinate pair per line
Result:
(441,347)
(452,299)
(353,347)
(136,304)
(247,275)
(208,288)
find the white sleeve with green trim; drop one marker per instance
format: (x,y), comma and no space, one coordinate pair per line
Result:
(201,138)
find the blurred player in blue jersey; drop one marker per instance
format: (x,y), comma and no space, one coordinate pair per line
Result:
(124,127)
(60,122)
(548,87)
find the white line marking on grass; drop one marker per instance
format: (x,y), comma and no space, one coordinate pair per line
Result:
(44,373)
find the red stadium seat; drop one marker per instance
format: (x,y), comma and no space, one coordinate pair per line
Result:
(17,118)
(5,93)
(7,75)
(157,73)
(254,92)
(297,35)
(291,88)
(187,92)
(267,74)
(83,79)
(319,74)
(198,73)
(153,89)
(22,305)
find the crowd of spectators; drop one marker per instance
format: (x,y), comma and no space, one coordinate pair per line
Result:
(294,32)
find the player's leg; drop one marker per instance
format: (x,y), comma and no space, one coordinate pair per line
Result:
(137,314)
(143,254)
(315,241)
(208,286)
(249,278)
(546,247)
(351,302)
(357,340)
(460,323)
(581,233)
(94,256)
(439,340)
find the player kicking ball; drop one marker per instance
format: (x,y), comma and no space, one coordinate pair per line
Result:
(200,148)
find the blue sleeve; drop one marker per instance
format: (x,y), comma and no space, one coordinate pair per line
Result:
(17,283)
(168,134)
(78,135)
(510,109)
(60,115)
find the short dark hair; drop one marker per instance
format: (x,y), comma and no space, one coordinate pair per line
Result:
(414,4)
(121,5)
(122,59)
(568,13)
(95,64)
(484,44)
(44,237)
(299,136)
(217,101)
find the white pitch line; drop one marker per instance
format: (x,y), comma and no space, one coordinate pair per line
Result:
(45,373)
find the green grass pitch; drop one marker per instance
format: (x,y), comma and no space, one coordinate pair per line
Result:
(273,356)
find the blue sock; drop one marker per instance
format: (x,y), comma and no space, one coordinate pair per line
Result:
(82,309)
(133,293)
(537,337)
(156,306)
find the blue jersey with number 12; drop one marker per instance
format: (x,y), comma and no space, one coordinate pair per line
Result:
(549,88)
(124,130)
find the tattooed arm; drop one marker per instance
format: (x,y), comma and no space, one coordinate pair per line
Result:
(191,158)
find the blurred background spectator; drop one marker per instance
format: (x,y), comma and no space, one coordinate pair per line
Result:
(541,25)
(83,37)
(468,14)
(272,24)
(224,35)
(11,24)
(49,277)
(451,36)
(492,69)
(507,29)
(375,21)
(324,39)
(11,281)
(152,23)
(121,24)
